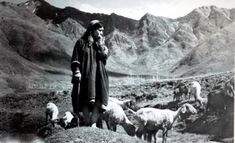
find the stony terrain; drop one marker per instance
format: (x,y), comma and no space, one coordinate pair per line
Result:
(23,113)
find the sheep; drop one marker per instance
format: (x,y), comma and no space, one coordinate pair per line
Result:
(115,115)
(69,120)
(124,104)
(195,90)
(52,113)
(150,120)
(179,90)
(177,95)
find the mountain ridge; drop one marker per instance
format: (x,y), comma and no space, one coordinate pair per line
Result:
(152,45)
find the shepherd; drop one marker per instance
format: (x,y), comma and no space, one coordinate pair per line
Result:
(89,76)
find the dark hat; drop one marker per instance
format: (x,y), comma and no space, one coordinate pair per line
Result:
(94,24)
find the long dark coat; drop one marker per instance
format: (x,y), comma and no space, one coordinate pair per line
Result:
(94,84)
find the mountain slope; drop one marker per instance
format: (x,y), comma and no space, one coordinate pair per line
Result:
(123,52)
(216,54)
(214,28)
(206,20)
(29,50)
(155,44)
(28,36)
(40,42)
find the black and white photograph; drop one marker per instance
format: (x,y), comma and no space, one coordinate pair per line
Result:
(122,71)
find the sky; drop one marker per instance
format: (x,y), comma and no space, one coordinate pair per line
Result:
(135,9)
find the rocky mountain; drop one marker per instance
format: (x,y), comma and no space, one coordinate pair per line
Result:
(153,45)
(214,29)
(37,39)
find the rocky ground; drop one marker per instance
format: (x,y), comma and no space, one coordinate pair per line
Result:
(23,114)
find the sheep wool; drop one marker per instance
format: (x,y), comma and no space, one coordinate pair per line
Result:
(52,112)
(115,115)
(150,120)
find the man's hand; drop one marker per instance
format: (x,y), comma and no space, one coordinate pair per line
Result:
(101,41)
(101,44)
(105,50)
(77,75)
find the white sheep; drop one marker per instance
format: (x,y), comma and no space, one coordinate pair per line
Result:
(69,120)
(115,115)
(150,120)
(124,104)
(52,113)
(195,90)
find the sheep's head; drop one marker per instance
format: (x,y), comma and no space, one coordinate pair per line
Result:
(131,104)
(188,108)
(50,105)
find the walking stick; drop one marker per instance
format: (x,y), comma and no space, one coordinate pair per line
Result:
(75,96)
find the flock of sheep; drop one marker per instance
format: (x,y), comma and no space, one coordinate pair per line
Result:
(147,120)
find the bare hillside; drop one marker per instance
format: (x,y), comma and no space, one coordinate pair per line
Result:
(29,50)
(215,54)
